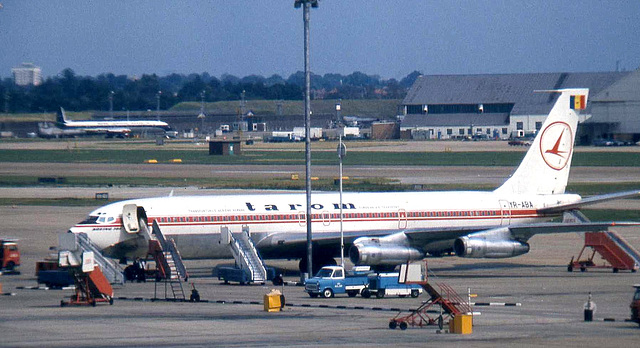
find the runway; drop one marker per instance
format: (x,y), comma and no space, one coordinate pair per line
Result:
(419,175)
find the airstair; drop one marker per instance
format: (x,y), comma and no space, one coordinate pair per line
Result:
(78,243)
(93,274)
(619,254)
(451,304)
(168,263)
(245,254)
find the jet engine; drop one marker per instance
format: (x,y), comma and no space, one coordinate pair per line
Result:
(389,250)
(477,247)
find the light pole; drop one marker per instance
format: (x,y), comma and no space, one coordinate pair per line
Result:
(111,104)
(158,105)
(201,115)
(342,152)
(306,10)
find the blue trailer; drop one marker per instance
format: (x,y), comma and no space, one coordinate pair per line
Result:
(243,276)
(383,284)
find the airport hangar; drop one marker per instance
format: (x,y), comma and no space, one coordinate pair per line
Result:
(501,106)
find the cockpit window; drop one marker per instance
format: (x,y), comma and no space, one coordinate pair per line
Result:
(89,220)
(101,219)
(111,219)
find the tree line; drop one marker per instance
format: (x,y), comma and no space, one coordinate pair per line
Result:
(81,93)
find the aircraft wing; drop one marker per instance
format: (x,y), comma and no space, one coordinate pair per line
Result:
(588,201)
(519,232)
(422,236)
(524,232)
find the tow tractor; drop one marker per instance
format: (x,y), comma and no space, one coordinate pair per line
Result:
(9,255)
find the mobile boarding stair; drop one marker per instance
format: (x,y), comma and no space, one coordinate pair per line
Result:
(249,265)
(450,303)
(93,274)
(619,254)
(169,265)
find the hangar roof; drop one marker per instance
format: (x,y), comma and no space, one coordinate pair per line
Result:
(506,88)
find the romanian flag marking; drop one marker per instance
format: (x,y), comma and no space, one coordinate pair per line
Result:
(578,102)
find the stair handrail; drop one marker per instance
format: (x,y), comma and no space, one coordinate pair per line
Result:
(622,243)
(240,255)
(112,271)
(254,253)
(182,270)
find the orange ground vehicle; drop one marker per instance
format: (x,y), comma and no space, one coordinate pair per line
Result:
(9,255)
(635,305)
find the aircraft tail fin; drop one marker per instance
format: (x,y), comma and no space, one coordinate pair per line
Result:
(545,167)
(61,117)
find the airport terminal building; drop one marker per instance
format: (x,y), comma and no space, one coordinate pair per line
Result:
(501,106)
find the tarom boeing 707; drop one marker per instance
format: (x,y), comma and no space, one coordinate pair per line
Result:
(381,229)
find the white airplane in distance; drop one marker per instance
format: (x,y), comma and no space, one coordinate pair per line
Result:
(110,128)
(382,229)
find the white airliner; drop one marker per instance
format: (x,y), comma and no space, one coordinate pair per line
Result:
(381,228)
(110,128)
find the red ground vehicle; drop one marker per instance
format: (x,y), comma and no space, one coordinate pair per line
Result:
(635,305)
(9,255)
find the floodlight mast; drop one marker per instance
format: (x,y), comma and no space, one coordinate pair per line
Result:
(306,7)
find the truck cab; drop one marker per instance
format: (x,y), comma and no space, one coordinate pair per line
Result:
(332,280)
(9,255)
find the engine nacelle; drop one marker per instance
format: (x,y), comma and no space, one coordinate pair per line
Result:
(487,248)
(389,250)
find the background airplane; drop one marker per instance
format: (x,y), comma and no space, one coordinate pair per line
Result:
(112,128)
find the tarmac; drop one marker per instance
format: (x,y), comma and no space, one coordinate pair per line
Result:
(551,311)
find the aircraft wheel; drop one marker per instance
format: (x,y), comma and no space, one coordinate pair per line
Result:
(615,270)
(582,269)
(111,301)
(403,326)
(327,293)
(570,268)
(440,322)
(277,280)
(393,324)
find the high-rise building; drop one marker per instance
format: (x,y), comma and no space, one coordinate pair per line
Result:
(27,74)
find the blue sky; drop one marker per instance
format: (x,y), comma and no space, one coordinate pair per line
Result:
(389,38)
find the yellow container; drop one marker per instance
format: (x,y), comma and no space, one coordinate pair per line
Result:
(294,176)
(151,161)
(272,301)
(461,324)
(176,160)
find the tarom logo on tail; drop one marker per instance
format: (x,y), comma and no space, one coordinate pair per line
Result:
(545,167)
